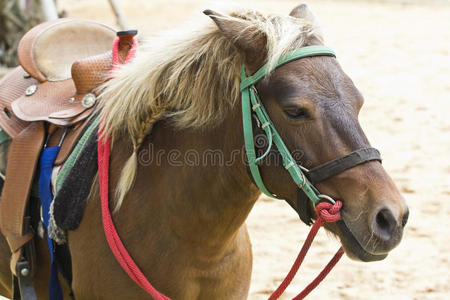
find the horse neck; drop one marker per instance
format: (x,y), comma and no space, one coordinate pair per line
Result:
(191,185)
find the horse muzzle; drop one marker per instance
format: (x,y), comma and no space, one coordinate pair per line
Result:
(382,235)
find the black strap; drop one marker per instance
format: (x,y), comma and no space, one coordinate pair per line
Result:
(15,287)
(339,165)
(26,287)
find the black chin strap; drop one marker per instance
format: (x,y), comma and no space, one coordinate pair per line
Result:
(328,170)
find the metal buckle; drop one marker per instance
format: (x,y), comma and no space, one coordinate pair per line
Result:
(326,197)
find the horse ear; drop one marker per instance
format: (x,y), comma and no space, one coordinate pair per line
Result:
(247,38)
(303,12)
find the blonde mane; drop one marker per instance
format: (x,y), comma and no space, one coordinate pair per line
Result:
(188,77)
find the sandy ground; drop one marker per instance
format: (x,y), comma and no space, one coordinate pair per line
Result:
(398,56)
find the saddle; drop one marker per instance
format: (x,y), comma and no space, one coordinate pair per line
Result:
(48,99)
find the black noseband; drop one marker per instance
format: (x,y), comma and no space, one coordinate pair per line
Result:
(339,165)
(330,169)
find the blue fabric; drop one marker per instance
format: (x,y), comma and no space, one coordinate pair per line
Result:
(45,194)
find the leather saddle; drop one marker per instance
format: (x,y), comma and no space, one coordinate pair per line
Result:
(50,55)
(49,97)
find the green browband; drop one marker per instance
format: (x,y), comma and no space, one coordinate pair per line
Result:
(251,101)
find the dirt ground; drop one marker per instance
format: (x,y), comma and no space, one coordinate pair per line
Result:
(398,56)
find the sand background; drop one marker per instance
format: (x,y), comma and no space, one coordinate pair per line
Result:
(397,54)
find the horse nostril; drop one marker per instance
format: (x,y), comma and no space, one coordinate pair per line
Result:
(382,221)
(405,217)
(384,224)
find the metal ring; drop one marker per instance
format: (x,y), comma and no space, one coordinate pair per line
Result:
(258,122)
(303,168)
(326,197)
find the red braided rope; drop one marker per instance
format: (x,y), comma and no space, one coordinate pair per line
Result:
(321,275)
(326,212)
(118,249)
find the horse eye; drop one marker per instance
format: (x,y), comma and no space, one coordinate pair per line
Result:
(297,113)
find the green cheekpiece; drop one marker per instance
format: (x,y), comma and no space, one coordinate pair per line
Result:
(251,101)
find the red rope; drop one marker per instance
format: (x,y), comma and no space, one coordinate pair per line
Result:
(118,249)
(326,212)
(115,52)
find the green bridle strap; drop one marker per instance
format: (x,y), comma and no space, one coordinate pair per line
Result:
(250,101)
(297,54)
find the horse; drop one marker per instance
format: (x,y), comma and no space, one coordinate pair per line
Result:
(181,188)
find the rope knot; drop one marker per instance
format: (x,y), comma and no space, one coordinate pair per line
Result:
(329,212)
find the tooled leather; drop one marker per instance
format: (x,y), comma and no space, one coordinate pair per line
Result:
(22,160)
(90,72)
(51,100)
(50,97)
(12,86)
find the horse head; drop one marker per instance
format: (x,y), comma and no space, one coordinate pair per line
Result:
(314,105)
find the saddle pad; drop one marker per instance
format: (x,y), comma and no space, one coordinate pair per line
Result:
(73,185)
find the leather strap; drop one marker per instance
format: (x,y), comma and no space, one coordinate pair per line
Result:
(17,242)
(70,140)
(302,52)
(339,165)
(22,265)
(15,288)
(26,287)
(22,160)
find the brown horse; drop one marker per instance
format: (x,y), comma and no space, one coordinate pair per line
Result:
(181,210)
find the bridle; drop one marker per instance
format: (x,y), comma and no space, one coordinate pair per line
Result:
(303,178)
(327,209)
(252,105)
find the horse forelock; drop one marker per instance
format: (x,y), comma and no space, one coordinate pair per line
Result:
(189,76)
